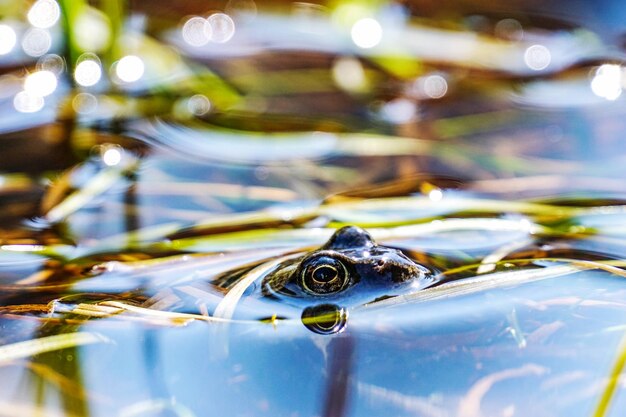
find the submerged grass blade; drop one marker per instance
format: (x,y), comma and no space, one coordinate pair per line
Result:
(129,240)
(21,350)
(53,251)
(448,225)
(156,407)
(299,238)
(226,308)
(252,239)
(496,280)
(100,183)
(449,205)
(411,404)
(490,261)
(172,317)
(13,409)
(608,394)
(386,211)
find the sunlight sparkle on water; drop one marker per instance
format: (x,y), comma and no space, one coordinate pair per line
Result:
(130,68)
(88,72)
(366,33)
(7,39)
(27,103)
(44,14)
(607,82)
(537,57)
(40,83)
(196,31)
(222,27)
(36,42)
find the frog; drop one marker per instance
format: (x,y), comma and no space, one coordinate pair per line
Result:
(350,268)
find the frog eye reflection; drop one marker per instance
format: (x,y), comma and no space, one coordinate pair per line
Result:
(324,275)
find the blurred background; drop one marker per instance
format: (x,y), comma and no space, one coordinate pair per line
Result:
(233,106)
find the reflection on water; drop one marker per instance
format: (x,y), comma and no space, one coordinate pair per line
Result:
(158,164)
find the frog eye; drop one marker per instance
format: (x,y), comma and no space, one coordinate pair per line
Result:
(324,275)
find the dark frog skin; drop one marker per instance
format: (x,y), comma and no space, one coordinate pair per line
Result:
(348,270)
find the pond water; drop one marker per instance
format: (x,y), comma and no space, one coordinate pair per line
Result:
(168,172)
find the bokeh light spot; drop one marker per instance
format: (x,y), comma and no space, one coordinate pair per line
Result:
(93,31)
(40,83)
(27,103)
(607,82)
(366,33)
(222,27)
(111,155)
(53,63)
(196,31)
(435,194)
(198,105)
(36,42)
(241,10)
(88,72)
(130,68)
(349,74)
(435,86)
(537,57)
(509,29)
(85,103)
(44,14)
(7,39)
(399,111)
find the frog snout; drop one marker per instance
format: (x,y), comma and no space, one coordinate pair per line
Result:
(397,268)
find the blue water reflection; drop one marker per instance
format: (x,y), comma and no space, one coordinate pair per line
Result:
(456,356)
